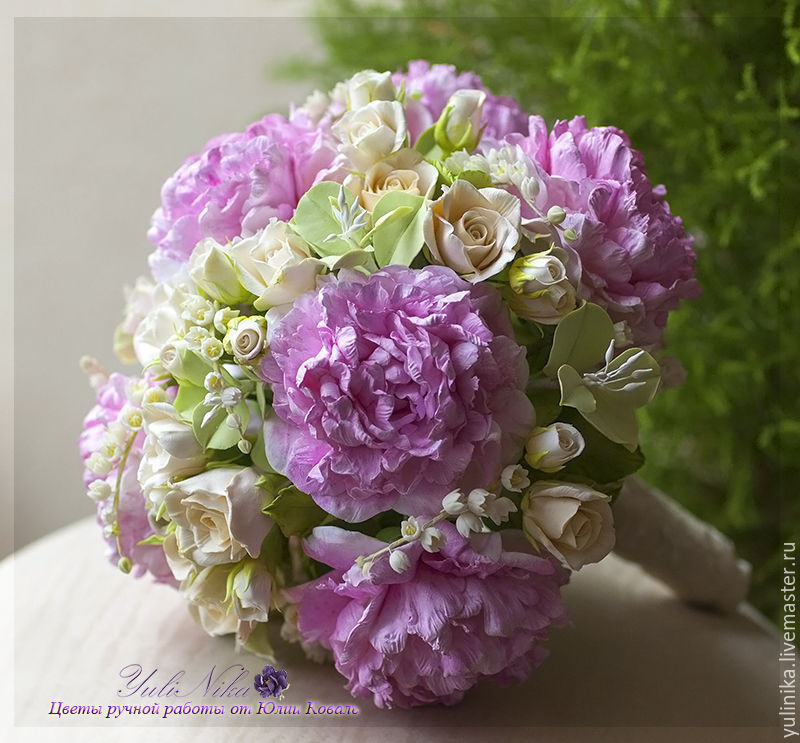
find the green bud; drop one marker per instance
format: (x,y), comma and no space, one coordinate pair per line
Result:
(125,565)
(556,215)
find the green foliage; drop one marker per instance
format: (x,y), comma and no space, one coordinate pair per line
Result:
(709,90)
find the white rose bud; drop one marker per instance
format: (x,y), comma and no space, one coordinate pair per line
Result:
(206,593)
(247,339)
(170,448)
(171,357)
(571,521)
(372,132)
(403,171)
(473,231)
(211,268)
(251,591)
(514,478)
(539,288)
(276,265)
(367,86)
(459,126)
(549,449)
(218,515)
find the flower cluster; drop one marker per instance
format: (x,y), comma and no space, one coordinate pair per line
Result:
(409,311)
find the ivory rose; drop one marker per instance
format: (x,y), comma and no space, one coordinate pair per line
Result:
(276,265)
(473,231)
(372,132)
(571,521)
(218,515)
(403,171)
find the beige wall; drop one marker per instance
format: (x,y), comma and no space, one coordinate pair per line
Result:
(105,110)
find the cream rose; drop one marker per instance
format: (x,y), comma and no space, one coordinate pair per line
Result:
(571,521)
(473,231)
(549,449)
(372,132)
(218,515)
(164,322)
(540,289)
(276,265)
(170,450)
(460,124)
(211,269)
(367,86)
(403,171)
(247,339)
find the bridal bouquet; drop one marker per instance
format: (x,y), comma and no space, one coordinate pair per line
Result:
(391,355)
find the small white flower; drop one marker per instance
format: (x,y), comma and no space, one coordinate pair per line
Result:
(515,478)
(431,539)
(468,509)
(154,395)
(233,421)
(399,561)
(223,317)
(99,490)
(135,390)
(98,464)
(214,383)
(195,336)
(410,529)
(231,397)
(131,417)
(212,349)
(197,310)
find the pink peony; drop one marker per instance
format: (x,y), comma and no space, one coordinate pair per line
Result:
(637,260)
(394,389)
(235,185)
(133,521)
(431,633)
(429,87)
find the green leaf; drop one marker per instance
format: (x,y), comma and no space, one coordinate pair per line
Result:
(426,145)
(153,539)
(188,398)
(602,459)
(609,398)
(573,391)
(353,259)
(314,220)
(193,369)
(477,178)
(397,236)
(547,405)
(580,339)
(294,512)
(216,434)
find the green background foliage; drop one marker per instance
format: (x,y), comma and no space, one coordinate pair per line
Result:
(709,91)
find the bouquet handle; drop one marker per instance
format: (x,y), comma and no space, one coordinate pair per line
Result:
(693,558)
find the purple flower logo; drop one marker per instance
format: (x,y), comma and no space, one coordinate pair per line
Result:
(271,683)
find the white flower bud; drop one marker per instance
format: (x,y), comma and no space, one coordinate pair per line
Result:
(399,561)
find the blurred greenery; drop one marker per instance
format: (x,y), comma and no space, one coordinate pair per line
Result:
(709,91)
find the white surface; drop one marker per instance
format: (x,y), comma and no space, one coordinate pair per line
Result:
(635,658)
(105,110)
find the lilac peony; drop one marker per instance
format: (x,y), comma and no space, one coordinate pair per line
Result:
(392,390)
(637,260)
(429,87)
(431,633)
(133,521)
(235,185)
